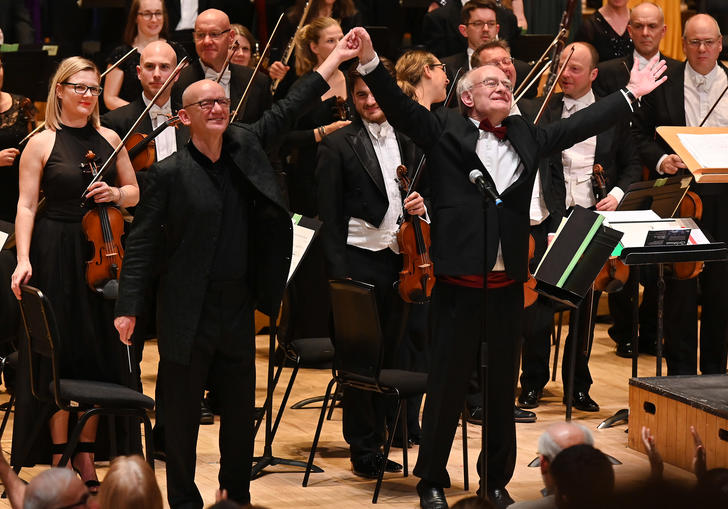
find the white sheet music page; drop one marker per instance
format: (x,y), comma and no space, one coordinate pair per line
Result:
(710,150)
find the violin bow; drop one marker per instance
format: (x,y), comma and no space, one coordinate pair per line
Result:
(518,96)
(231,52)
(550,93)
(255,71)
(118,148)
(103,74)
(714,105)
(543,58)
(416,175)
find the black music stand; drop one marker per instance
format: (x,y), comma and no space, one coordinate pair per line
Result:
(301,243)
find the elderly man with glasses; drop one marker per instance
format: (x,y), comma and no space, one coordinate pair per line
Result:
(506,150)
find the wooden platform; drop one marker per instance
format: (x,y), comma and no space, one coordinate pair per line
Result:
(338,488)
(670,405)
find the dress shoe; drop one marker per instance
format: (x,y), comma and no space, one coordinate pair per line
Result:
(520,415)
(474,415)
(368,465)
(529,398)
(206,415)
(411,440)
(431,496)
(624,349)
(582,401)
(500,498)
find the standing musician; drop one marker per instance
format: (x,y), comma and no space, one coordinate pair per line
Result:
(613,149)
(360,204)
(693,88)
(455,145)
(51,252)
(213,38)
(226,246)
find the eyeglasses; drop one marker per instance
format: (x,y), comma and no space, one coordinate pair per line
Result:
(493,83)
(441,65)
(480,24)
(208,104)
(215,36)
(147,15)
(82,501)
(500,61)
(81,89)
(708,43)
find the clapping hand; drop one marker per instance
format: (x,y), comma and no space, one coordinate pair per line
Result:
(644,81)
(699,465)
(656,464)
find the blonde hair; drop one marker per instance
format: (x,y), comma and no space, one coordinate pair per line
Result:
(410,68)
(130,484)
(66,69)
(305,58)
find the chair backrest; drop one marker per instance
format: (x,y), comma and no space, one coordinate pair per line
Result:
(40,331)
(357,330)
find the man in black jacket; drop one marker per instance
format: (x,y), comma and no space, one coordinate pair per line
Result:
(508,159)
(213,222)
(213,37)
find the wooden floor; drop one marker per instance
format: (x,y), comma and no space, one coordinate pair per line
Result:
(338,488)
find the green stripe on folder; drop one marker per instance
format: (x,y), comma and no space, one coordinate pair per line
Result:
(587,239)
(297,218)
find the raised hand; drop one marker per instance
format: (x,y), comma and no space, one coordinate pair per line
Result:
(364,43)
(642,82)
(346,49)
(699,466)
(656,464)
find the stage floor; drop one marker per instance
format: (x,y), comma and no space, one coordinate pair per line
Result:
(337,487)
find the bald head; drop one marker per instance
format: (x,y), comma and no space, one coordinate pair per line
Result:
(53,488)
(213,38)
(647,9)
(160,49)
(206,110)
(200,90)
(702,42)
(156,63)
(213,16)
(647,28)
(561,435)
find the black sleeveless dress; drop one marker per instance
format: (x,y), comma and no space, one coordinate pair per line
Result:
(89,344)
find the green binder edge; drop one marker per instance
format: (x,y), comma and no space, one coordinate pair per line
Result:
(580,251)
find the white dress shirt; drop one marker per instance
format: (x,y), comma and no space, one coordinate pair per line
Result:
(365,235)
(212,74)
(166,141)
(470,52)
(188,14)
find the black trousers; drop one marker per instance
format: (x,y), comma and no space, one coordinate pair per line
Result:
(223,358)
(620,307)
(456,335)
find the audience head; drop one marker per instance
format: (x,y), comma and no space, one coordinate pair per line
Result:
(485,93)
(556,438)
(478,22)
(419,69)
(581,71)
(213,38)
(473,502)
(702,42)
(148,18)
(647,28)
(130,484)
(206,109)
(712,488)
(72,76)
(364,102)
(583,477)
(244,54)
(315,42)
(56,488)
(158,60)
(495,53)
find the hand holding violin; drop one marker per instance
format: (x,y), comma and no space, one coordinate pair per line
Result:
(672,164)
(101,192)
(414,204)
(278,70)
(608,203)
(7,156)
(644,81)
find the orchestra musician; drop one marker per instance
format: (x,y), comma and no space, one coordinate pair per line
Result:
(454,145)
(51,252)
(212,196)
(692,89)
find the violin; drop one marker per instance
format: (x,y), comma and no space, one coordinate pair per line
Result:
(614,274)
(141,147)
(417,277)
(690,206)
(103,226)
(529,287)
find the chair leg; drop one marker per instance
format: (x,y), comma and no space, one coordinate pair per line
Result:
(284,402)
(556,346)
(148,439)
(466,475)
(387,447)
(316,435)
(11,402)
(76,435)
(405,437)
(337,396)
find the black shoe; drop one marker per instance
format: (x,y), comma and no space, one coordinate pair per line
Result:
(474,415)
(368,465)
(529,398)
(206,415)
(582,401)
(500,498)
(624,349)
(431,496)
(397,442)
(520,415)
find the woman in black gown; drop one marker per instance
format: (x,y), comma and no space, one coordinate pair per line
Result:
(51,252)
(606,30)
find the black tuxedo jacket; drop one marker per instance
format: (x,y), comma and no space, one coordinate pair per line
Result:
(614,74)
(178,220)
(259,98)
(615,150)
(460,60)
(449,140)
(350,184)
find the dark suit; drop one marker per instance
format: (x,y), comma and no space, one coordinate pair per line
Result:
(351,185)
(460,61)
(614,74)
(667,107)
(457,234)
(15,22)
(258,100)
(211,328)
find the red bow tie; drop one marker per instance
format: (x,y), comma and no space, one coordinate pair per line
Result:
(500,132)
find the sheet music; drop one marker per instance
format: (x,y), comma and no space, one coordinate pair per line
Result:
(302,237)
(635,233)
(710,150)
(627,216)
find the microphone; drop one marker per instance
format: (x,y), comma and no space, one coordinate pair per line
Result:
(476,177)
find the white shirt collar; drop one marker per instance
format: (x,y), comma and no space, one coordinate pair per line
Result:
(580,103)
(697,78)
(470,52)
(378,131)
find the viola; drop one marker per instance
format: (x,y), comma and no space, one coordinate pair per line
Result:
(529,287)
(141,148)
(103,226)
(614,274)
(417,277)
(690,206)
